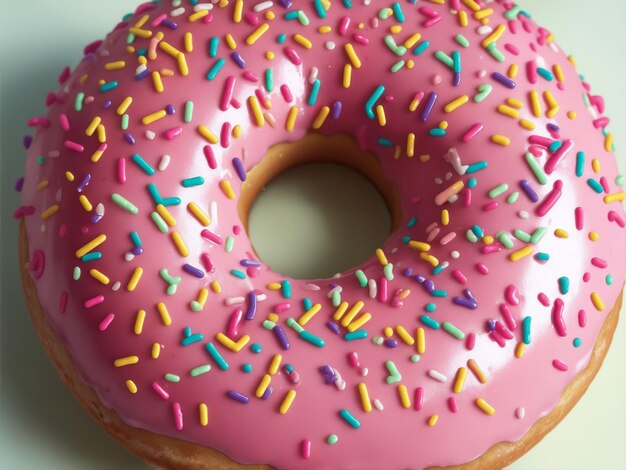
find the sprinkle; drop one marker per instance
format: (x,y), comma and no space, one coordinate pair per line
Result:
(478,373)
(287,401)
(350,419)
(126,361)
(365,398)
(216,356)
(485,407)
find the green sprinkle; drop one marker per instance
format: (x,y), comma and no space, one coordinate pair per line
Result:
(415,358)
(452,330)
(78,103)
(203,369)
(361,277)
(394,374)
(144,165)
(471,237)
(564,285)
(160,223)
(385,13)
(462,40)
(619,180)
(335,298)
(521,235)
(190,182)
(217,357)
(526,330)
(172,378)
(302,18)
(348,418)
(538,235)
(188,115)
(536,169)
(513,197)
(495,53)
(269,80)
(230,243)
(377,340)
(512,13)
(292,323)
(483,92)
(125,122)
(332,439)
(269,325)
(388,271)
(124,204)
(76,273)
(429,322)
(504,238)
(238,274)
(498,190)
(397,66)
(216,69)
(444,58)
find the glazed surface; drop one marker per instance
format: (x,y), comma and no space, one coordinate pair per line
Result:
(577,267)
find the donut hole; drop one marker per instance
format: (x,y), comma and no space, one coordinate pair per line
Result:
(317,207)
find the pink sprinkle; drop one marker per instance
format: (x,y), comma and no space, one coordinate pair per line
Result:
(455,4)
(495,336)
(511,295)
(582,318)
(206,234)
(432,21)
(344,23)
(121,170)
(51,98)
(353,360)
(490,249)
(174,132)
(292,55)
(160,391)
(429,12)
(459,276)
(604,183)
(482,269)
(382,289)
(158,20)
(531,71)
(251,77)
(360,39)
(540,140)
(207,263)
(452,406)
(227,95)
(38,121)
(63,302)
(558,156)
(511,48)
(447,238)
(94,301)
(615,217)
(73,146)
(578,213)
(467,197)
(286,92)
(263,99)
(225,135)
(104,324)
(306,448)
(473,132)
(490,206)
(251,19)
(210,157)
(601,123)
(559,365)
(233,324)
(282,307)
(598,102)
(65,123)
(507,315)
(178,415)
(470,342)
(551,199)
(512,26)
(503,330)
(418,398)
(586,277)
(599,263)
(557,318)
(65,74)
(207,19)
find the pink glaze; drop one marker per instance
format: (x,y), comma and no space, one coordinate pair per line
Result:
(494,288)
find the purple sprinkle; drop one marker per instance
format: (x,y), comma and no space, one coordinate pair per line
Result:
(19,184)
(249,263)
(286,4)
(429,286)
(137,251)
(553,127)
(457,79)
(107,104)
(27,141)
(332,326)
(329,374)
(419,278)
(268,392)
(336,110)
(430,104)
(391,343)
(408,272)
(281,335)
(238,59)
(170,109)
(529,191)
(84,183)
(189,269)
(169,24)
(241,171)
(251,306)
(491,325)
(506,81)
(142,75)
(95,218)
(468,301)
(129,138)
(237,397)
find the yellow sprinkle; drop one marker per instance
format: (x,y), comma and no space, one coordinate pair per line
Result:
(445,217)
(141,33)
(142,21)
(508,111)
(139,321)
(157,82)
(203,295)
(207,134)
(237,131)
(353,312)
(410,144)
(274,286)
(561,233)
(216,287)
(97,155)
(134,279)
(275,364)
(347,75)
(429,259)
(461,373)
(500,140)
(365,398)
(484,13)
(291,118)
(126,361)
(180,244)
(123,107)
(595,165)
(421,340)
(477,371)
(443,125)
(287,401)
(447,193)
(102,134)
(156,351)
(382,259)
(419,245)
(456,103)
(395,29)
(255,107)
(165,214)
(130,385)
(380,115)
(96,242)
(359,322)
(97,275)
(198,213)
(309,314)
(597,301)
(485,407)
(527,124)
(165,315)
(513,71)
(234,346)
(263,384)
(120,64)
(515,103)
(404,335)
(237,14)
(558,73)
(520,349)
(571,114)
(493,37)
(182,64)
(549,98)
(463,20)
(303,41)
(85,203)
(404,396)
(269,55)
(273,317)
(343,307)
(321,117)
(388,331)
(69,176)
(433,420)
(410,64)
(615,197)
(354,58)
(230,41)
(43,185)
(608,142)
(412,40)
(203,411)
(227,189)
(257,33)
(521,253)
(535,104)
(198,15)
(150,118)
(188,39)
(488,240)
(95,122)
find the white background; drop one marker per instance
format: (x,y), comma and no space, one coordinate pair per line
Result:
(41,426)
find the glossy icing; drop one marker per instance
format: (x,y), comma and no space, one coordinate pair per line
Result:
(475,280)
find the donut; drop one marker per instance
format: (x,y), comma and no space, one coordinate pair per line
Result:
(461,341)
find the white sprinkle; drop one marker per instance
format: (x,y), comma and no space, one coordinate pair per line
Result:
(438,376)
(520,412)
(313,75)
(311,287)
(262,6)
(364,371)
(333,290)
(378,404)
(455,254)
(329,45)
(523,214)
(177,12)
(203,6)
(100,209)
(373,289)
(150,135)
(129,256)
(229,301)
(164,163)
(116,286)
(484,29)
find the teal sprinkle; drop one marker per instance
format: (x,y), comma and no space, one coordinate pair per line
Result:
(188,115)
(160,223)
(190,182)
(361,277)
(216,69)
(289,368)
(247,368)
(385,142)
(437,132)
(238,274)
(593,184)
(311,338)
(580,163)
(213,46)
(108,86)
(498,190)
(142,52)
(471,237)
(217,357)
(472,182)
(283,37)
(545,74)
(462,40)
(154,192)
(475,167)
(307,304)
(564,285)
(412,222)
(269,80)
(397,11)
(406,239)
(609,279)
(453,330)
(172,378)
(336,298)
(478,231)
(144,165)
(456,61)
(438,269)
(314,92)
(421,47)
(538,235)
(269,325)
(577,342)
(521,235)
(203,369)
(134,237)
(230,243)
(554,146)
(78,102)
(430,307)
(125,122)
(347,3)
(286,289)
(543,256)
(444,58)
(369,105)
(256,348)
(429,322)
(76,273)
(93,256)
(319,9)
(348,418)
(526,330)
(513,197)
(439,293)
(291,15)
(192,338)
